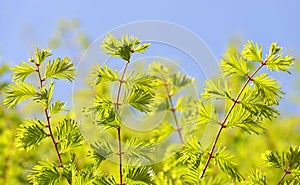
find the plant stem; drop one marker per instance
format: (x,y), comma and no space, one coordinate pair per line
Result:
(120,84)
(222,124)
(55,143)
(120,153)
(173,109)
(286,171)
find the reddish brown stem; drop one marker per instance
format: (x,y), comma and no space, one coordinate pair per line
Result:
(117,104)
(120,84)
(55,143)
(286,171)
(222,125)
(120,155)
(173,109)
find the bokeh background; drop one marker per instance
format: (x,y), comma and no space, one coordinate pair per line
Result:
(68,27)
(29,24)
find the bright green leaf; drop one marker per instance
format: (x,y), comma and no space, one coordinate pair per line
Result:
(41,55)
(60,69)
(56,107)
(140,100)
(30,134)
(16,93)
(104,74)
(252,51)
(21,71)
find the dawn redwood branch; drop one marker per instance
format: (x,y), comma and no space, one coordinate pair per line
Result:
(222,124)
(121,81)
(173,109)
(286,171)
(55,143)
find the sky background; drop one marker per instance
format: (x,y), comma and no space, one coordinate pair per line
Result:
(27,24)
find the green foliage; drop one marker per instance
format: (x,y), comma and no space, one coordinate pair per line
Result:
(60,69)
(44,174)
(140,175)
(103,110)
(45,95)
(16,93)
(206,113)
(105,179)
(255,104)
(191,154)
(257,177)
(233,63)
(101,151)
(225,162)
(136,150)
(246,107)
(104,74)
(40,55)
(252,51)
(287,161)
(30,134)
(140,99)
(163,130)
(276,60)
(122,47)
(244,119)
(215,90)
(268,89)
(141,81)
(21,71)
(56,107)
(68,135)
(180,81)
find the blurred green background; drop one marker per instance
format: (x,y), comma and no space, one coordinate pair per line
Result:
(68,27)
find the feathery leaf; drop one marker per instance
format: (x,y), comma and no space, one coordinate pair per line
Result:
(56,107)
(41,55)
(16,93)
(215,90)
(139,175)
(21,71)
(252,52)
(224,160)
(60,69)
(140,100)
(232,63)
(30,134)
(104,74)
(68,135)
(101,151)
(44,174)
(122,47)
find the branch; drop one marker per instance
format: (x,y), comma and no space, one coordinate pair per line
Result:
(222,124)
(286,171)
(173,109)
(55,143)
(117,104)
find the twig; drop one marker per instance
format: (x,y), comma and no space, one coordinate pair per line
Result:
(222,125)
(173,109)
(286,171)
(117,104)
(55,143)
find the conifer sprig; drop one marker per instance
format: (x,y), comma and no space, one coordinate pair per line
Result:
(235,63)
(171,83)
(55,143)
(32,132)
(123,48)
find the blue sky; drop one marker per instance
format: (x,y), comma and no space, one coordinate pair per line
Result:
(214,21)
(26,24)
